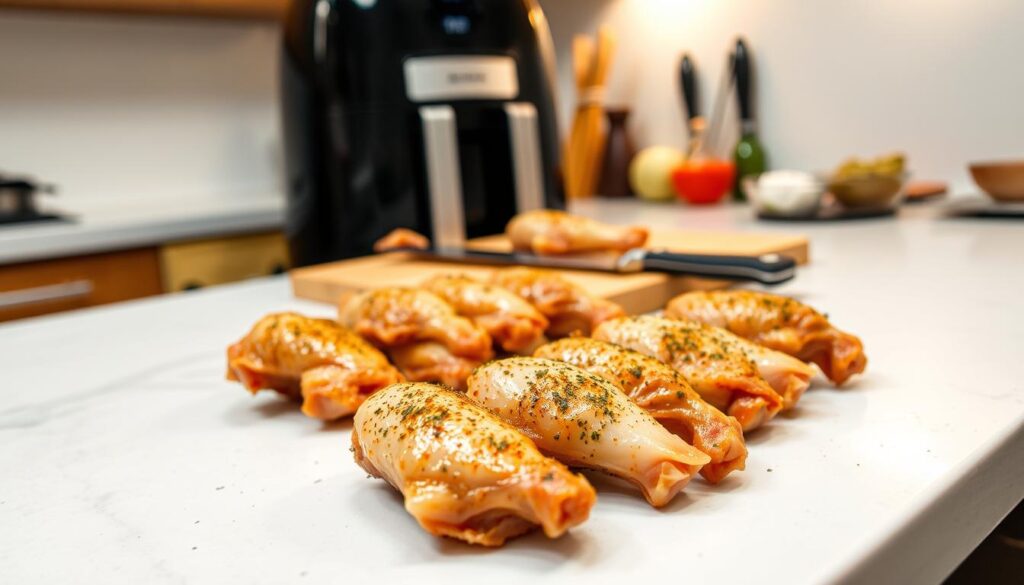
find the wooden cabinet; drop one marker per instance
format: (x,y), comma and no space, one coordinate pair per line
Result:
(267,9)
(191,265)
(38,288)
(50,286)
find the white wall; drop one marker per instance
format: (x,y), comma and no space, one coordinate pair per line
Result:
(134,107)
(942,80)
(114,106)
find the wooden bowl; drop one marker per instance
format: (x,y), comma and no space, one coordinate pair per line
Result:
(1002,180)
(868,191)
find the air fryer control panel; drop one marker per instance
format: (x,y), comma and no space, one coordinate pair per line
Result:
(456,17)
(461,77)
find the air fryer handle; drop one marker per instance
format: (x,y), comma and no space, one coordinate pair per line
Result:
(443,175)
(321,31)
(527,163)
(741,69)
(767,269)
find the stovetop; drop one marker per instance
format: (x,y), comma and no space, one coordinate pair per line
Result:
(7,219)
(18,203)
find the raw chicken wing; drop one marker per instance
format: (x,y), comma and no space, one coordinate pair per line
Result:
(569,308)
(663,392)
(465,473)
(401,238)
(431,361)
(549,232)
(788,376)
(584,420)
(721,373)
(330,368)
(779,323)
(514,324)
(402,320)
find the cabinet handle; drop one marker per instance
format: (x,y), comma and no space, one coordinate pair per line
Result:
(49,293)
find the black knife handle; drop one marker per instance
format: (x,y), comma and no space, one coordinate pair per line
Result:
(741,69)
(688,84)
(766,269)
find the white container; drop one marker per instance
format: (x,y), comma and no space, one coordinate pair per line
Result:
(785,193)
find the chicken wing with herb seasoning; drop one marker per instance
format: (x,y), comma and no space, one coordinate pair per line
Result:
(661,391)
(415,326)
(514,324)
(582,419)
(778,323)
(464,472)
(550,232)
(330,368)
(569,308)
(720,372)
(788,376)
(430,361)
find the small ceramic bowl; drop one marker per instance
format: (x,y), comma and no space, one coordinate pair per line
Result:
(775,201)
(868,191)
(1002,181)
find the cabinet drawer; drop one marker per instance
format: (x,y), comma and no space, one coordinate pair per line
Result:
(190,265)
(39,288)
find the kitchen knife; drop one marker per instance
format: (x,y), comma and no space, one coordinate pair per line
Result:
(695,122)
(688,85)
(749,154)
(766,269)
(741,69)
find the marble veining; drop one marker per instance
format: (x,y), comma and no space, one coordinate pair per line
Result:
(125,457)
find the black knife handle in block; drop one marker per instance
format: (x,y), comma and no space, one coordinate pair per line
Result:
(766,269)
(688,83)
(741,69)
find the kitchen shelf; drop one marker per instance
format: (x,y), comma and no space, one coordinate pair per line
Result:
(249,9)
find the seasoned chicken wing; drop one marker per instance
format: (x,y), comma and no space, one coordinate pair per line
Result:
(330,368)
(414,325)
(465,473)
(401,238)
(663,392)
(514,324)
(788,376)
(720,372)
(431,361)
(550,232)
(569,308)
(779,323)
(584,420)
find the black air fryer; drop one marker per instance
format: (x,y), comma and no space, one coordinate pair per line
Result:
(434,115)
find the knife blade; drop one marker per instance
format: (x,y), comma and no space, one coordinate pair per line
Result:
(769,269)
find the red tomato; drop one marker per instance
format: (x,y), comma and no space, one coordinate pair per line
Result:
(705,181)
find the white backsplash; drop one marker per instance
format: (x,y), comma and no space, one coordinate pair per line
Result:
(938,79)
(141,107)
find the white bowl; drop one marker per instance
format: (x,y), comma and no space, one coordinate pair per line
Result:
(778,200)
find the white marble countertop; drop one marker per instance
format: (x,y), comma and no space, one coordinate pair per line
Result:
(127,459)
(101,225)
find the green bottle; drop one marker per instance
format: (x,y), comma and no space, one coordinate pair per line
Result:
(749,158)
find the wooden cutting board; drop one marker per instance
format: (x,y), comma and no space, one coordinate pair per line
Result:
(637,293)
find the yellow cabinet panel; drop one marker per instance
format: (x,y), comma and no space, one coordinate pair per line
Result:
(196,264)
